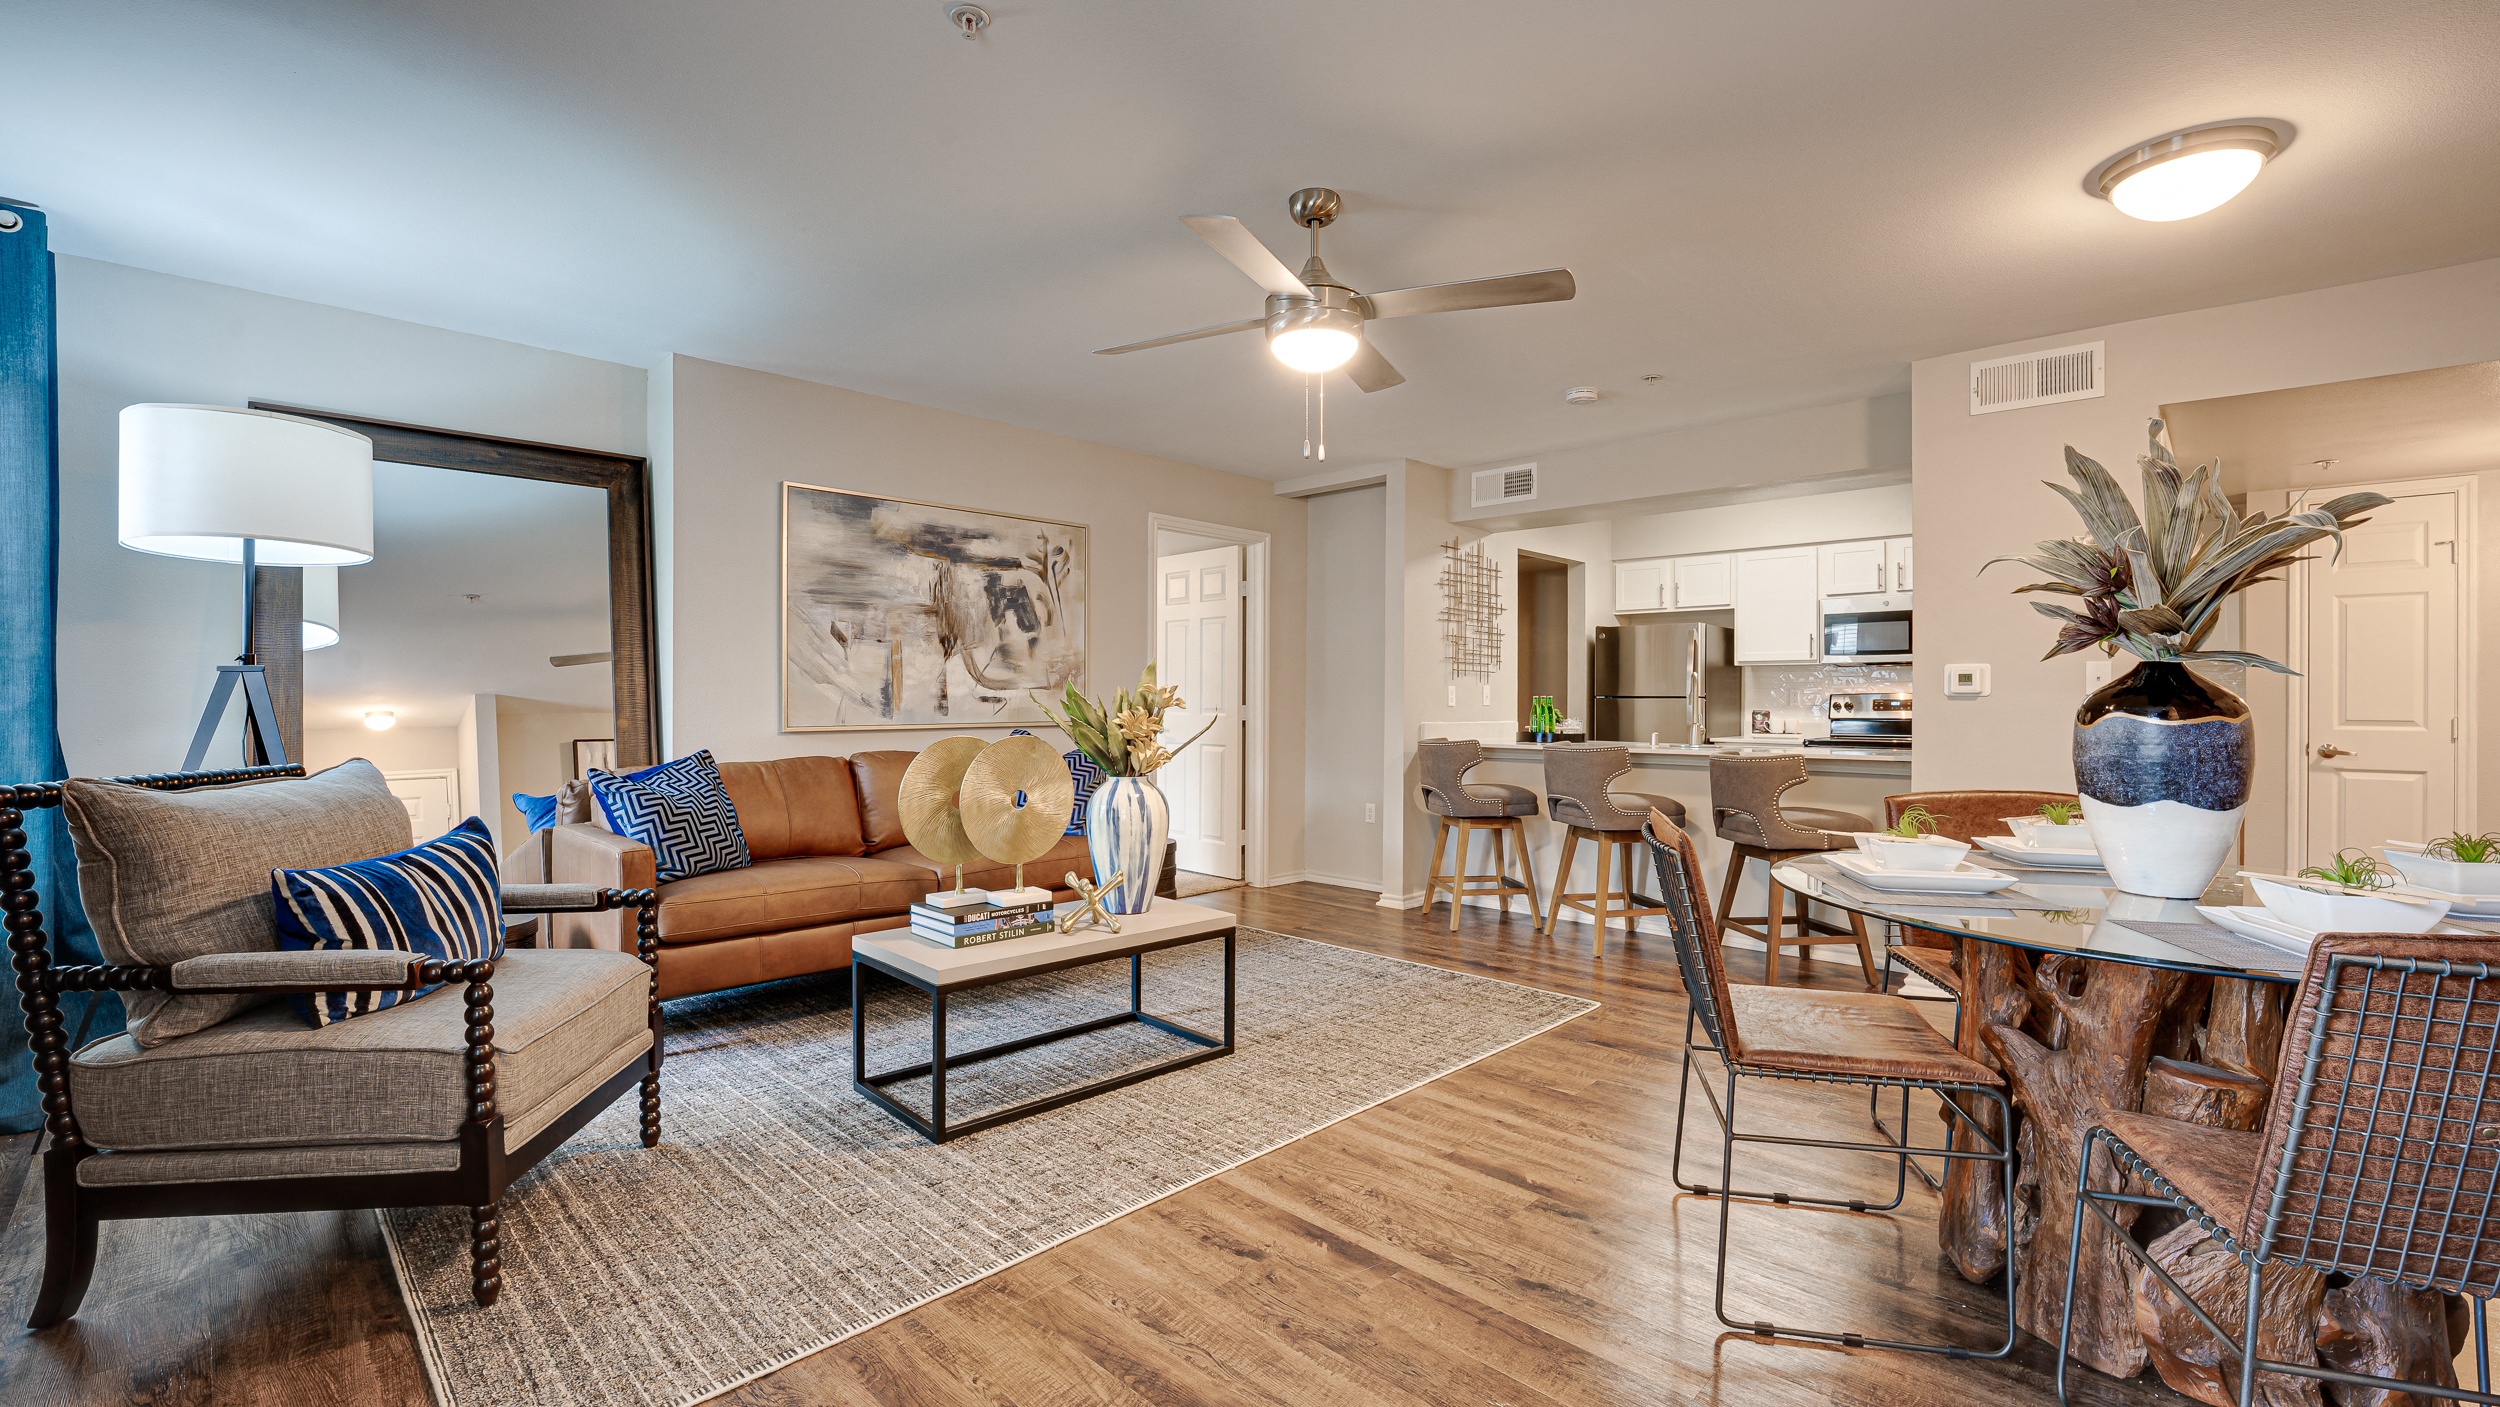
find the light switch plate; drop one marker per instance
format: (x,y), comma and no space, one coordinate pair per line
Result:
(1488,693)
(1967,681)
(1453,696)
(2097,672)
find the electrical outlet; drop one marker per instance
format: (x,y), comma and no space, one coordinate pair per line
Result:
(1371,812)
(2098,672)
(1488,693)
(1453,696)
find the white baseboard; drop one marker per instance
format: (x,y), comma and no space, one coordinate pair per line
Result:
(1401,901)
(1337,881)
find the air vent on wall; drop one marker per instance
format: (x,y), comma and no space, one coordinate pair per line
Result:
(2037,378)
(1514,483)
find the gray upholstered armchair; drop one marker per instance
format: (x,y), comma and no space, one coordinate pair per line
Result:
(241,1106)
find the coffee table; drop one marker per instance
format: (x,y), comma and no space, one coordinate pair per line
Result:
(942,971)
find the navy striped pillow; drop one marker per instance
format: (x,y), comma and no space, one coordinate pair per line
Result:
(440,899)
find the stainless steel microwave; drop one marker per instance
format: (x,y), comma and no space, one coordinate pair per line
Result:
(1866,629)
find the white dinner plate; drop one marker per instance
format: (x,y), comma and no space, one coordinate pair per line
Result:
(2015,852)
(2250,921)
(1968,879)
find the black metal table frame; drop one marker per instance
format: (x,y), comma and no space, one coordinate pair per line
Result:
(935,1127)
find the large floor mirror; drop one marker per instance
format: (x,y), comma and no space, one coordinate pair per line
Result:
(498,642)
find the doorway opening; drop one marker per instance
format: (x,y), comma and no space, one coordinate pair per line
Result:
(1545,634)
(1208,612)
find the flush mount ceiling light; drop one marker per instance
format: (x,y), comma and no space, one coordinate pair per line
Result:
(380,719)
(2186,173)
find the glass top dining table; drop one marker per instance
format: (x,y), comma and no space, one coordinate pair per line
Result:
(2067,911)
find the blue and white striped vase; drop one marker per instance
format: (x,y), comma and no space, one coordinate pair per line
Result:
(1126,827)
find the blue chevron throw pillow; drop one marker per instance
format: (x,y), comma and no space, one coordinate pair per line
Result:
(680,810)
(441,899)
(1084,771)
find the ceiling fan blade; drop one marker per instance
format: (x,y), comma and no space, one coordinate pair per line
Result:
(1218,330)
(1371,371)
(1543,286)
(1232,239)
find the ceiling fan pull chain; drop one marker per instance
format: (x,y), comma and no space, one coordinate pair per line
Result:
(1306,417)
(1321,381)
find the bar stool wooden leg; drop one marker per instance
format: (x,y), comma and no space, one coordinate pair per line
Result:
(1774,923)
(1727,891)
(1501,863)
(1866,958)
(1597,901)
(1458,870)
(1562,879)
(1527,866)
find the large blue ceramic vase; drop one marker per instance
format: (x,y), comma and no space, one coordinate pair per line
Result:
(2163,759)
(1126,827)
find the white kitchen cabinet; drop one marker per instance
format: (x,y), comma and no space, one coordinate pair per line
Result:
(1641,586)
(1854,568)
(1702,583)
(1778,615)
(1897,558)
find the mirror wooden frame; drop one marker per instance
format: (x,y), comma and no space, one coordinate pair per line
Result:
(625,478)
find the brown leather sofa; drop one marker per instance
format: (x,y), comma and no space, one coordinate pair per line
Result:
(831,862)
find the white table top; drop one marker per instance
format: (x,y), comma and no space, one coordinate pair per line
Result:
(899,950)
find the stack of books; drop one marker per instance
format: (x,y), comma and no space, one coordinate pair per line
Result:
(961,926)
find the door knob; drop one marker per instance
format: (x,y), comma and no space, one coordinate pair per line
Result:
(2331,750)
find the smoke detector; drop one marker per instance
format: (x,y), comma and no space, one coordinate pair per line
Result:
(1580,395)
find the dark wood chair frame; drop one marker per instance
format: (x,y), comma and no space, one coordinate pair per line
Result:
(1702,1036)
(2458,1262)
(486,1168)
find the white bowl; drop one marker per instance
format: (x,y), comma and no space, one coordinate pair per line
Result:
(1924,853)
(2331,912)
(2040,835)
(2450,875)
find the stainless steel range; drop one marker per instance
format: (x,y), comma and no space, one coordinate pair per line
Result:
(1867,718)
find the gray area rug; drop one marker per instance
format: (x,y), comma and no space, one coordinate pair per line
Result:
(783,1213)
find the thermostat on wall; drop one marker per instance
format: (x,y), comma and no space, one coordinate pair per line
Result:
(1966,681)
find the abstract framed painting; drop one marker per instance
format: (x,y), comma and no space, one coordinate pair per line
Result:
(902,614)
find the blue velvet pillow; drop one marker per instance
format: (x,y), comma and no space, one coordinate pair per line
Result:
(441,899)
(681,811)
(1084,771)
(539,811)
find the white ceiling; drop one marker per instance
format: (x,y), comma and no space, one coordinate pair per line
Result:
(1767,206)
(476,580)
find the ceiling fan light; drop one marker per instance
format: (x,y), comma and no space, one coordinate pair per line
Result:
(1314,349)
(2188,173)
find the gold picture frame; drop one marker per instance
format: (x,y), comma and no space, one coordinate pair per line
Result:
(901,613)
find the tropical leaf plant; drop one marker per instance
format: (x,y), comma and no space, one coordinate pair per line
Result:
(1124,737)
(2154,585)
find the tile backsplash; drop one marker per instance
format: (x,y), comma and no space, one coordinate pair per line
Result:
(1794,693)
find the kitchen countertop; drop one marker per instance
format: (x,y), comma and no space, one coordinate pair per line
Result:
(1789,744)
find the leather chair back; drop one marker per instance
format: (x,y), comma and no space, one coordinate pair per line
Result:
(1745,804)
(1967,815)
(1444,763)
(1677,863)
(1576,776)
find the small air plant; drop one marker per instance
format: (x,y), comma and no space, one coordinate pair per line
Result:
(2351,869)
(2466,849)
(2060,813)
(1914,822)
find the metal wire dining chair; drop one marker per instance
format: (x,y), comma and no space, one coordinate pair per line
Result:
(2380,1155)
(1817,1037)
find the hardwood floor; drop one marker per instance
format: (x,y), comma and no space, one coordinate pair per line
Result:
(1505,1235)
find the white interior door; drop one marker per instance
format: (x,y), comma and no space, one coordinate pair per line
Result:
(1198,647)
(432,799)
(2382,665)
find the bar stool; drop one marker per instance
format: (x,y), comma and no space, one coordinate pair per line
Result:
(1745,807)
(1576,775)
(1456,804)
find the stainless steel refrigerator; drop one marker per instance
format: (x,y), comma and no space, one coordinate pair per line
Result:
(1672,679)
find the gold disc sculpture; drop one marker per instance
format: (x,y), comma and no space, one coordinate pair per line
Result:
(1017,797)
(933,818)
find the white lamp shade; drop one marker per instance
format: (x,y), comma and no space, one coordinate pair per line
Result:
(197,480)
(321,607)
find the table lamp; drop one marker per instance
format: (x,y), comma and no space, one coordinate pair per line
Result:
(225,484)
(321,607)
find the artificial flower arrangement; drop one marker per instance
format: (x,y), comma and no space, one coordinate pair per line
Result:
(1125,738)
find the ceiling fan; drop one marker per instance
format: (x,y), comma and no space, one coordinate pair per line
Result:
(1315,322)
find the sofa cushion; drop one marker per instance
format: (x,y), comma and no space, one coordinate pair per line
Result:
(795,806)
(800,891)
(168,875)
(266,1080)
(879,778)
(1050,871)
(679,811)
(436,900)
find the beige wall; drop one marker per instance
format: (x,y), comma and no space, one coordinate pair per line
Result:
(1342,763)
(401,749)
(1846,515)
(736,435)
(141,636)
(534,754)
(1977,492)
